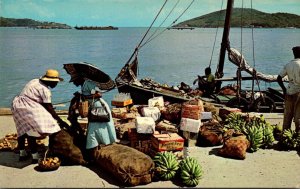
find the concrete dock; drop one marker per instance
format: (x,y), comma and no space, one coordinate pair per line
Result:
(266,168)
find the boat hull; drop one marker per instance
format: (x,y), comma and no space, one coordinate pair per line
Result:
(141,95)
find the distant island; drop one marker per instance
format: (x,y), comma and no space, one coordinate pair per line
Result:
(251,18)
(25,22)
(96,28)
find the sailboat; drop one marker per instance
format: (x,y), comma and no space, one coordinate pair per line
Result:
(142,90)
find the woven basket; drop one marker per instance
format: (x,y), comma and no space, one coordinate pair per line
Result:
(49,164)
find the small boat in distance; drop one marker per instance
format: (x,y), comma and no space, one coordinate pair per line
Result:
(96,28)
(181,28)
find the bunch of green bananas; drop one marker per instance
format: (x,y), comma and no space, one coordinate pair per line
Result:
(291,139)
(190,171)
(166,165)
(235,121)
(258,131)
(255,136)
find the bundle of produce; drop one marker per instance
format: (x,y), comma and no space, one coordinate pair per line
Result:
(291,139)
(211,134)
(258,131)
(190,171)
(62,144)
(235,145)
(255,136)
(128,165)
(236,121)
(172,112)
(9,142)
(166,165)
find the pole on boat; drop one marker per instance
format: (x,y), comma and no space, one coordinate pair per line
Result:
(224,43)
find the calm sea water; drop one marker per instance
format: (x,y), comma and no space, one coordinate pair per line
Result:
(172,57)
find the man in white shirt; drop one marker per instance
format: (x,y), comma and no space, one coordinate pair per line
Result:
(292,92)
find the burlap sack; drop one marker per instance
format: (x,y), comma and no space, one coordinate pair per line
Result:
(210,135)
(127,164)
(62,145)
(235,147)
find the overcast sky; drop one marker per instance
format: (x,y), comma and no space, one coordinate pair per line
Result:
(131,13)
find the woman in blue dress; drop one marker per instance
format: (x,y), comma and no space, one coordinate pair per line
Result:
(98,132)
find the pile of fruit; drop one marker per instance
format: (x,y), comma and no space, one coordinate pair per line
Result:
(291,140)
(258,132)
(9,142)
(49,164)
(190,171)
(167,167)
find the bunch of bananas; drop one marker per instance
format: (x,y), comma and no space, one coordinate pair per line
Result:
(190,171)
(235,121)
(258,131)
(291,139)
(255,137)
(166,165)
(268,136)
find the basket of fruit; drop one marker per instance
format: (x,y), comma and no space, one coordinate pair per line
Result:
(49,163)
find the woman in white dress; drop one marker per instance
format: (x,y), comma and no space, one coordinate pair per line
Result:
(34,114)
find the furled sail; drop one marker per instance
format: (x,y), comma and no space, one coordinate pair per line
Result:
(128,73)
(238,59)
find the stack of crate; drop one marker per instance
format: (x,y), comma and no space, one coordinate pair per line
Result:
(191,116)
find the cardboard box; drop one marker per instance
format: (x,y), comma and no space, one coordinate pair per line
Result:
(122,130)
(153,112)
(145,125)
(197,102)
(190,111)
(141,142)
(156,102)
(206,115)
(167,142)
(121,103)
(190,125)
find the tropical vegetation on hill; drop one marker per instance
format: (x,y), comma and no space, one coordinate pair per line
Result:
(25,22)
(248,17)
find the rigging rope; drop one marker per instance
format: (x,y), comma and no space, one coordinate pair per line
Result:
(212,53)
(148,40)
(138,46)
(169,25)
(253,49)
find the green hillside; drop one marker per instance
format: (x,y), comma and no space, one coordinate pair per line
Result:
(25,22)
(246,16)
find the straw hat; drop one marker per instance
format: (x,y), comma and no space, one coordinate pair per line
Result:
(51,75)
(296,49)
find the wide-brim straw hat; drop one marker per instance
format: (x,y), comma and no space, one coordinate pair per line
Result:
(296,49)
(51,75)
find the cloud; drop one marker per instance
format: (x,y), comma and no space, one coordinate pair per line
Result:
(28,9)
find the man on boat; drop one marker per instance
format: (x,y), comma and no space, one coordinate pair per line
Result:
(206,83)
(292,92)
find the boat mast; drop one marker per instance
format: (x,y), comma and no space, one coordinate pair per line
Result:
(225,43)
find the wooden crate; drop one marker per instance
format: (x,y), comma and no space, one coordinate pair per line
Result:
(190,111)
(121,103)
(141,142)
(167,142)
